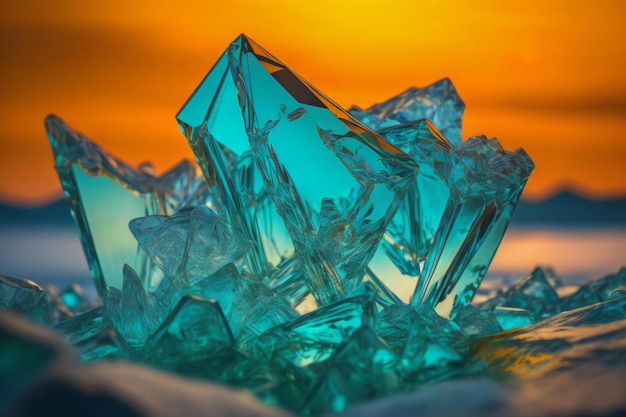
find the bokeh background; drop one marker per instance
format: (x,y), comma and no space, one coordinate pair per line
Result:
(545,75)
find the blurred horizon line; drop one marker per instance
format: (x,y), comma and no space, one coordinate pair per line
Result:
(532,197)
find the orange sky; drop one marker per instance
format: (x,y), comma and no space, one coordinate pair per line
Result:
(545,75)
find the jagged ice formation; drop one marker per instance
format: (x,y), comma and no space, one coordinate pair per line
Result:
(323,258)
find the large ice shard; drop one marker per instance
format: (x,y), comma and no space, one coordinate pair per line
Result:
(105,193)
(440,243)
(294,169)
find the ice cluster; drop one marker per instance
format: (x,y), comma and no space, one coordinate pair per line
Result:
(321,257)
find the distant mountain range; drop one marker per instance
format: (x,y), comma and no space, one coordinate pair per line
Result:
(563,209)
(55,213)
(569,209)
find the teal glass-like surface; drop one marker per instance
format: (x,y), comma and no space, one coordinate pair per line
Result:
(189,245)
(335,184)
(108,208)
(363,368)
(194,330)
(536,293)
(212,122)
(304,177)
(137,314)
(312,338)
(400,259)
(440,243)
(105,193)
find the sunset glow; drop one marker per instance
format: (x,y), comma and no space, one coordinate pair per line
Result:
(547,76)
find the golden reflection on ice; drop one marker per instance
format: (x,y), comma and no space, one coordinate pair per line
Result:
(554,344)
